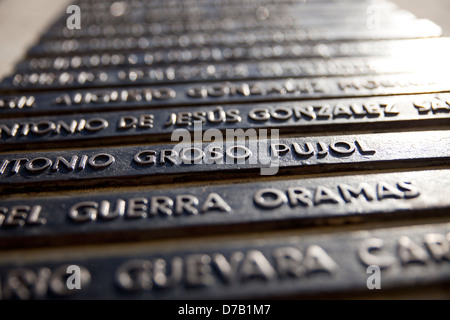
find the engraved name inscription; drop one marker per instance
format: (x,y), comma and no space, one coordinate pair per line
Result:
(233,269)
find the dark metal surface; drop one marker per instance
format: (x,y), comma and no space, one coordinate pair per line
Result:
(150,125)
(149,164)
(151,213)
(320,132)
(213,72)
(106,30)
(416,29)
(382,48)
(218,93)
(310,264)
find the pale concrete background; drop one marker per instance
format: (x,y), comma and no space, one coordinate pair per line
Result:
(22,21)
(436,10)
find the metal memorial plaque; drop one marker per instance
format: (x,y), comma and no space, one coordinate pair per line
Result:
(216,72)
(164,163)
(235,149)
(218,93)
(106,30)
(267,267)
(416,29)
(153,213)
(383,48)
(152,125)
